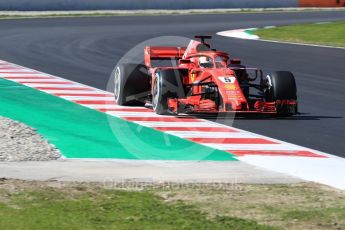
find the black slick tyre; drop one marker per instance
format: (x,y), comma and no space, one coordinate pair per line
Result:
(282,86)
(167,84)
(131,84)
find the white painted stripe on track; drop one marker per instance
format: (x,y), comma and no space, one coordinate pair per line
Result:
(89,98)
(176,124)
(238,33)
(194,134)
(77,92)
(258,147)
(105,106)
(19,70)
(5,75)
(35,85)
(38,73)
(133,114)
(38,80)
(8,66)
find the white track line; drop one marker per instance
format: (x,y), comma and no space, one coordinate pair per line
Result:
(175,124)
(193,134)
(17,71)
(239,33)
(37,85)
(28,80)
(133,114)
(258,147)
(88,98)
(105,106)
(8,75)
(84,92)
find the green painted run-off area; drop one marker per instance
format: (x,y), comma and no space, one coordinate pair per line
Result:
(80,132)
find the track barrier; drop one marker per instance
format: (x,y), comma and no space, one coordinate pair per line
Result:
(40,5)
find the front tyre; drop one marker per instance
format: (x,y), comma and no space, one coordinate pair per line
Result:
(166,84)
(282,87)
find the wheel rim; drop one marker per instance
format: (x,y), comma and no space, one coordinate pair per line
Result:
(269,87)
(117,83)
(269,81)
(155,93)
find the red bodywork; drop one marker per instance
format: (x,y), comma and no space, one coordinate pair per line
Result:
(220,75)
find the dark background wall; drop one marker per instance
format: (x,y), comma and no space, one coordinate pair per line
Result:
(140,4)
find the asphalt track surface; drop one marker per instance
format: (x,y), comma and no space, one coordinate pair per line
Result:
(86,50)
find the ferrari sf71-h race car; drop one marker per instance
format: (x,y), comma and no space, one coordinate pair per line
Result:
(199,79)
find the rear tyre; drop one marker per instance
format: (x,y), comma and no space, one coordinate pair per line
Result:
(167,84)
(131,84)
(282,86)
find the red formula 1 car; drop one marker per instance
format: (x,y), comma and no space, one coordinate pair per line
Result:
(199,79)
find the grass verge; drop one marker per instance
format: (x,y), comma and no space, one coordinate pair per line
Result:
(329,33)
(57,205)
(28,205)
(290,206)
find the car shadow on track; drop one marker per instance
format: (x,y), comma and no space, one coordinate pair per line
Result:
(300,116)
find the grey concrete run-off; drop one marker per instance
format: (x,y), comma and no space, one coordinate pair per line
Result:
(140,4)
(111,171)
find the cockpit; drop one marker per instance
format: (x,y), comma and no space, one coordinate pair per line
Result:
(212,62)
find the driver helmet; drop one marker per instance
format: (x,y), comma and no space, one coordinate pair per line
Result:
(205,62)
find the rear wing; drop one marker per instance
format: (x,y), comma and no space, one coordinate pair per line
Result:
(162,53)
